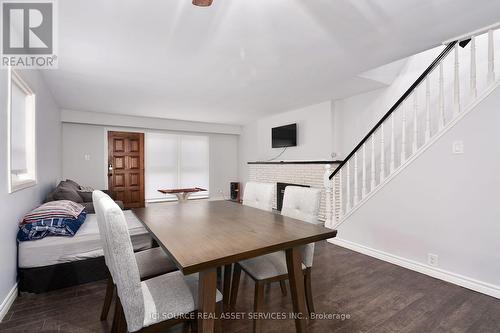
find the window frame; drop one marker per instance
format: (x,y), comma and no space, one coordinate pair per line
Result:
(30,123)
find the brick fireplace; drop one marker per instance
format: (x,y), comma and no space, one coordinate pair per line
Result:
(306,173)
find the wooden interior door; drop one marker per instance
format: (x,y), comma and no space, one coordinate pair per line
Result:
(126,167)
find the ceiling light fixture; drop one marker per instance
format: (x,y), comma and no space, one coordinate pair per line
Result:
(202,3)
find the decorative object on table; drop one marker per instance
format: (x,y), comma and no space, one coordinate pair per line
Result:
(182,194)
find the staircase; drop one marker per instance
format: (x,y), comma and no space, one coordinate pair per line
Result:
(457,80)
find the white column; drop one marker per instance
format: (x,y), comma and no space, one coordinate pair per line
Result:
(491,57)
(382,154)
(393,146)
(415,122)
(427,109)
(456,84)
(473,78)
(441,96)
(329,208)
(372,176)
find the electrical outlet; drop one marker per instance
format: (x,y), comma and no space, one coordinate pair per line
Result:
(86,157)
(458,147)
(432,259)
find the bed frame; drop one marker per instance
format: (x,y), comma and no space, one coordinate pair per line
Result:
(46,278)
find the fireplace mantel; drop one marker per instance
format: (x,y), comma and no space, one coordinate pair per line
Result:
(296,162)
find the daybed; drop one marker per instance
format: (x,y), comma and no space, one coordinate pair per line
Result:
(58,262)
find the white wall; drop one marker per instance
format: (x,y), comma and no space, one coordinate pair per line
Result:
(82,139)
(442,204)
(355,116)
(314,136)
(48,147)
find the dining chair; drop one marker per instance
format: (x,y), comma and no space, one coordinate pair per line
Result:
(300,203)
(259,195)
(150,305)
(151,262)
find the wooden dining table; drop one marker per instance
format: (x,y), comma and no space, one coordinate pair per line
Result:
(202,236)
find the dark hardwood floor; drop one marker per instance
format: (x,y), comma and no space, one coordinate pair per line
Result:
(377,297)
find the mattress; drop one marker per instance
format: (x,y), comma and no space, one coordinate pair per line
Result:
(85,244)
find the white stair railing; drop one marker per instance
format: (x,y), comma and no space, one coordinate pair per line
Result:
(437,112)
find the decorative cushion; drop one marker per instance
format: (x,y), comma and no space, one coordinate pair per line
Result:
(86,189)
(67,193)
(55,209)
(85,195)
(73,184)
(50,227)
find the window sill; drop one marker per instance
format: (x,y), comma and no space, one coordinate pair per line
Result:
(21,185)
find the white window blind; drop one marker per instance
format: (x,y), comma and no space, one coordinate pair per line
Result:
(22,166)
(175,161)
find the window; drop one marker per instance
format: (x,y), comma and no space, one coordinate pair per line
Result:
(21,137)
(175,161)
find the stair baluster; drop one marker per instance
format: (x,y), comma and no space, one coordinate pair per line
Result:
(427,109)
(456,84)
(372,176)
(473,79)
(415,123)
(491,57)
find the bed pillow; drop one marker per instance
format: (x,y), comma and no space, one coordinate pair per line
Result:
(63,209)
(50,227)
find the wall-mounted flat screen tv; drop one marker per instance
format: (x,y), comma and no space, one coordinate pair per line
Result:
(284,136)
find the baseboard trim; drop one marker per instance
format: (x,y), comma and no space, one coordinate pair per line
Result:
(7,302)
(460,280)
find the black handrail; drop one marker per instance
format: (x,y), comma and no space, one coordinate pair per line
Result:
(421,78)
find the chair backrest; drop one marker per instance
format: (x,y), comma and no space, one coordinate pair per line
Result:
(123,264)
(302,203)
(259,195)
(99,211)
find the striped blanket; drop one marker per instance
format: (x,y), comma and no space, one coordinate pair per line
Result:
(60,209)
(50,227)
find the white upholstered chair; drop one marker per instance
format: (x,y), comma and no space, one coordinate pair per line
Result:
(259,195)
(151,262)
(301,203)
(148,305)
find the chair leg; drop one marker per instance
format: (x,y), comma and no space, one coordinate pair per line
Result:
(283,287)
(234,285)
(308,290)
(121,323)
(257,305)
(110,288)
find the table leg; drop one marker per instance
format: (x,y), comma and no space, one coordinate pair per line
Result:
(227,284)
(206,300)
(296,279)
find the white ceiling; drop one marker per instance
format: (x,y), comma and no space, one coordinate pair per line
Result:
(238,60)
